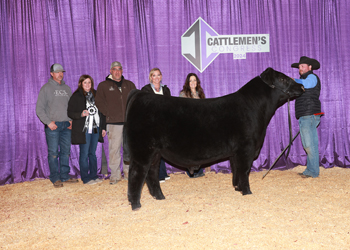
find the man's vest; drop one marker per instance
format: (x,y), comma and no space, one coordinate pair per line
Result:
(309,102)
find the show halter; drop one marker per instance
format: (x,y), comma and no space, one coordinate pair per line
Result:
(290,128)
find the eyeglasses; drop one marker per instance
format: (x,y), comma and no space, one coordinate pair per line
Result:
(117,69)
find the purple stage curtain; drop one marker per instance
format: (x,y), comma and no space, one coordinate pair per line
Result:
(85,36)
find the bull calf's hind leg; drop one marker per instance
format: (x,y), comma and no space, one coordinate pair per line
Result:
(152,181)
(240,174)
(137,175)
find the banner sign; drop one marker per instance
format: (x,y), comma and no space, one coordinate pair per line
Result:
(201,44)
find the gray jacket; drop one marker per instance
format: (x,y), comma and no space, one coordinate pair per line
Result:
(52,102)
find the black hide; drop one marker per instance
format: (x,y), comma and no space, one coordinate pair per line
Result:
(191,132)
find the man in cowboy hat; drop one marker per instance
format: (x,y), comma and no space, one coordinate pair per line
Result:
(308,112)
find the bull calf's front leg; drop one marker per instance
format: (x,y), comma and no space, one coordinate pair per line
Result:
(240,175)
(244,184)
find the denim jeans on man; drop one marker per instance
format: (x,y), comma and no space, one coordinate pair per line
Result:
(309,137)
(87,157)
(60,137)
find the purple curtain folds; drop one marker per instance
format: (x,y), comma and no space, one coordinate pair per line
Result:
(85,36)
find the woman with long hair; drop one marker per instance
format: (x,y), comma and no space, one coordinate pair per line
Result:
(193,89)
(88,127)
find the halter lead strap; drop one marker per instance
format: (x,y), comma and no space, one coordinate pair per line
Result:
(289,125)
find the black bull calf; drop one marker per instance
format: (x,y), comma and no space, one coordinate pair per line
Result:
(190,133)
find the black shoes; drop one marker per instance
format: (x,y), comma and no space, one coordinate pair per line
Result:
(196,175)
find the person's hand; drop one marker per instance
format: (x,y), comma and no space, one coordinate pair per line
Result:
(70,126)
(84,113)
(52,125)
(103,133)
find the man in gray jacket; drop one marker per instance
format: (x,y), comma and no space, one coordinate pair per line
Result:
(51,108)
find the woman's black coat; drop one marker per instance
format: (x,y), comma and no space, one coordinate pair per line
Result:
(148,88)
(76,105)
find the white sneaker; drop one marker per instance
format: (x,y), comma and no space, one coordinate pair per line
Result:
(113,182)
(98,180)
(91,182)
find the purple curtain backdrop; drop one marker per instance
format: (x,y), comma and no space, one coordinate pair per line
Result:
(85,36)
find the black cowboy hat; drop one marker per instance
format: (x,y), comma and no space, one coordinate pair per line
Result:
(307,60)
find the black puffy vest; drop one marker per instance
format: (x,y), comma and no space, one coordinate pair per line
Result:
(309,102)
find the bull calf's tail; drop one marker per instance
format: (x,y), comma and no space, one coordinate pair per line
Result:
(126,155)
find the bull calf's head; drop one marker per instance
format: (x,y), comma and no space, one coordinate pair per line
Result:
(280,81)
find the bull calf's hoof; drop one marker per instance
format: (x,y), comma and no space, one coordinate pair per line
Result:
(160,197)
(246,192)
(135,206)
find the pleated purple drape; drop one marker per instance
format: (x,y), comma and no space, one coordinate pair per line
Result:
(85,36)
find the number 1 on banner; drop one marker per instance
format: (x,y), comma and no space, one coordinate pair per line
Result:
(239,55)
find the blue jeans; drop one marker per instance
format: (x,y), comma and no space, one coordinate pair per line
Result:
(162,170)
(60,137)
(87,157)
(199,171)
(309,138)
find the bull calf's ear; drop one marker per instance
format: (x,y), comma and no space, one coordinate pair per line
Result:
(268,76)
